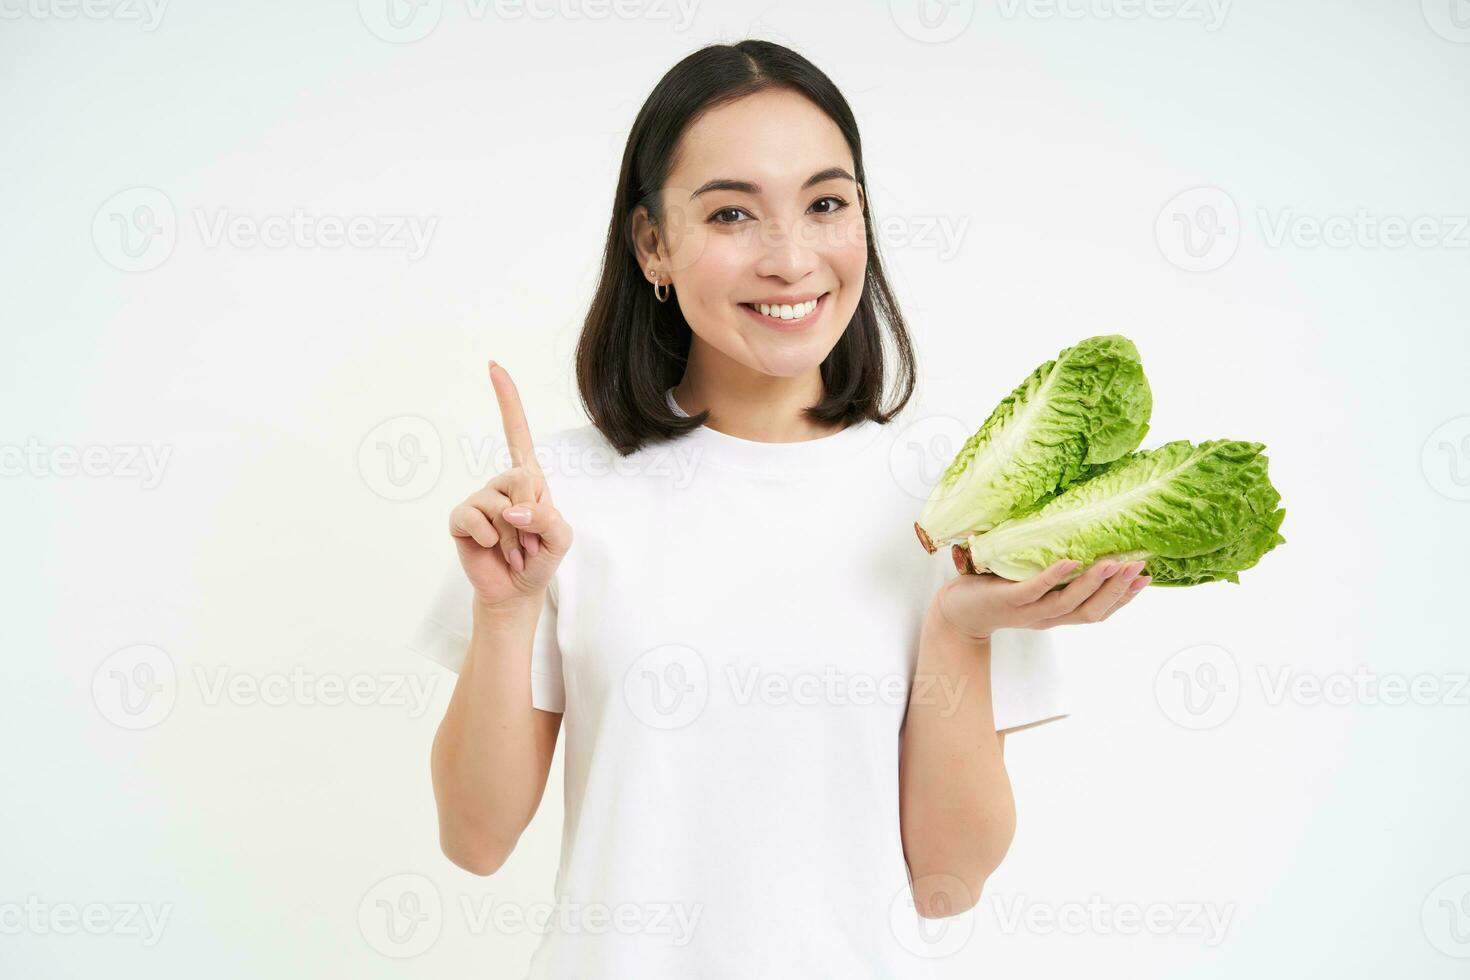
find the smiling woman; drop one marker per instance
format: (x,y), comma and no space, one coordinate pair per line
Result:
(772,735)
(743,195)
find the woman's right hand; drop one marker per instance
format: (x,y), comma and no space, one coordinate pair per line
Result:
(509,535)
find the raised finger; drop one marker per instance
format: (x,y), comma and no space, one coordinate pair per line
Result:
(513,419)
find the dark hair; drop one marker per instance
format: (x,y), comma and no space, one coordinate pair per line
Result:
(633,348)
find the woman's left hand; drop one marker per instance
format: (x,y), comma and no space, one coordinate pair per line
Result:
(977,605)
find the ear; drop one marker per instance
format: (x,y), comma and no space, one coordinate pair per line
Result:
(646,245)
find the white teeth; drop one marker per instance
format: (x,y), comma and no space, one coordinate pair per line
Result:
(786,311)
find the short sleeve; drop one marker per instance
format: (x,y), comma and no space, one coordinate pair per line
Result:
(1026,682)
(1026,685)
(443,635)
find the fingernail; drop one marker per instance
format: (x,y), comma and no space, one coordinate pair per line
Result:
(1139,583)
(517,515)
(532,543)
(1067,566)
(1110,568)
(516,561)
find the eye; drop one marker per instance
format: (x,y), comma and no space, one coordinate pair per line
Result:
(716,219)
(833,205)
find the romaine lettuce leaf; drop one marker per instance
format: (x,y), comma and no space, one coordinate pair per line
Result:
(1087,407)
(1192,513)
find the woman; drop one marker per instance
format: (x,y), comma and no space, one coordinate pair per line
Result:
(779,708)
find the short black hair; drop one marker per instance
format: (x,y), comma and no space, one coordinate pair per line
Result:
(634,348)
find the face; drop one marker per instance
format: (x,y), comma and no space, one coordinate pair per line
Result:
(763,235)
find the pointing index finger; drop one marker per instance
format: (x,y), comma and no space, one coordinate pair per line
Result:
(513,419)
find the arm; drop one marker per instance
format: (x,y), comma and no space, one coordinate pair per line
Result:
(955,805)
(956,809)
(493,750)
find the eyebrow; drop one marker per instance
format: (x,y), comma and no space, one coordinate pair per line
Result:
(748,187)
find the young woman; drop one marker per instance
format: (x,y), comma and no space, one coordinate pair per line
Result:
(784,719)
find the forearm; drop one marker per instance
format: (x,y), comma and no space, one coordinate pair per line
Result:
(487,774)
(957,812)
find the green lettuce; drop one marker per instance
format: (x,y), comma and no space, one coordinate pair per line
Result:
(1192,513)
(1073,414)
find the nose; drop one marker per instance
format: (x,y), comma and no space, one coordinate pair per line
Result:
(783,254)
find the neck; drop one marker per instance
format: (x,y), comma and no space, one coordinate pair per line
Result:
(749,404)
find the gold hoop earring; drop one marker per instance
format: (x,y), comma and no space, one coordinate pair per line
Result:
(662,297)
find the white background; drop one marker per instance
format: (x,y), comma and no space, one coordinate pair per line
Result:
(1048,143)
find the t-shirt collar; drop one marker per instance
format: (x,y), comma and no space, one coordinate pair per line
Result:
(776,457)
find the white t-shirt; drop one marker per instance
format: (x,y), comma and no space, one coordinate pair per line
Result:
(731,639)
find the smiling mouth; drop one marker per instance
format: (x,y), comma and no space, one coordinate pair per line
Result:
(786,317)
